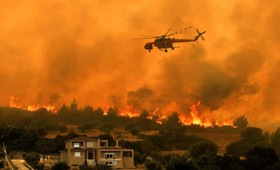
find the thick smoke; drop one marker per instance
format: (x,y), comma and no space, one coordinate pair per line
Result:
(57,51)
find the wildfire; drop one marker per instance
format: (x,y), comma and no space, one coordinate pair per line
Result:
(197,120)
(32,108)
(194,113)
(129,111)
(155,115)
(193,119)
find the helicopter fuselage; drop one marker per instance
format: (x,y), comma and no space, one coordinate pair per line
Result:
(165,43)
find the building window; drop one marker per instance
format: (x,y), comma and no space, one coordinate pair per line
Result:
(111,162)
(77,154)
(103,144)
(90,144)
(110,155)
(77,144)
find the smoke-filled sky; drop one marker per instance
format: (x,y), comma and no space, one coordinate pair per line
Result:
(58,51)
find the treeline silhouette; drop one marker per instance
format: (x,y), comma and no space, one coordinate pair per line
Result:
(21,130)
(88,118)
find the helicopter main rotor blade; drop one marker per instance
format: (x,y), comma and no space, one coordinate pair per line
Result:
(164,35)
(179,32)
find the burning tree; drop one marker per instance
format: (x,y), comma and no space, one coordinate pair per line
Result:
(241,122)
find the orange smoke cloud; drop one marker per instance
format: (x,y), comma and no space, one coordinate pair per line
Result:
(57,51)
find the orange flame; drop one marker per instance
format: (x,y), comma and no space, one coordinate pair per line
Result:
(129,111)
(105,113)
(32,108)
(197,120)
(194,113)
(156,116)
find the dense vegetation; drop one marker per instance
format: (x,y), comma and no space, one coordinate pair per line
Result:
(26,131)
(88,118)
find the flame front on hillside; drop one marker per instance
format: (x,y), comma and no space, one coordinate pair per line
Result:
(14,103)
(197,120)
(129,111)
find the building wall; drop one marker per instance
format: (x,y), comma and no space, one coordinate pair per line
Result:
(117,160)
(128,158)
(63,156)
(74,160)
(67,145)
(128,162)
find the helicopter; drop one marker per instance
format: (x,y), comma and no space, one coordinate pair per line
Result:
(164,43)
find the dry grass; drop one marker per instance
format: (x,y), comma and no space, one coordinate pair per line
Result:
(221,139)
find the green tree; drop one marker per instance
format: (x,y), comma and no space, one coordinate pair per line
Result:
(275,141)
(172,123)
(62,113)
(261,158)
(241,122)
(203,148)
(276,166)
(204,153)
(176,162)
(250,138)
(139,158)
(74,106)
(60,166)
(153,165)
(85,167)
(132,128)
(99,113)
(40,166)
(106,127)
(71,134)
(59,142)
(255,135)
(20,138)
(144,114)
(102,167)
(107,136)
(238,148)
(112,112)
(172,130)
(45,146)
(227,162)
(32,158)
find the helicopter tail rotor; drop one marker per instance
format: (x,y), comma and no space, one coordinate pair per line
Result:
(200,35)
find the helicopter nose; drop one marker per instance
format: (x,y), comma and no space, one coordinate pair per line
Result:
(148,46)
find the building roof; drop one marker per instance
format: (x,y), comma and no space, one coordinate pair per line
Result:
(81,138)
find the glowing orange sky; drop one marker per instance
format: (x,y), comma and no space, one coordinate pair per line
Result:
(57,51)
